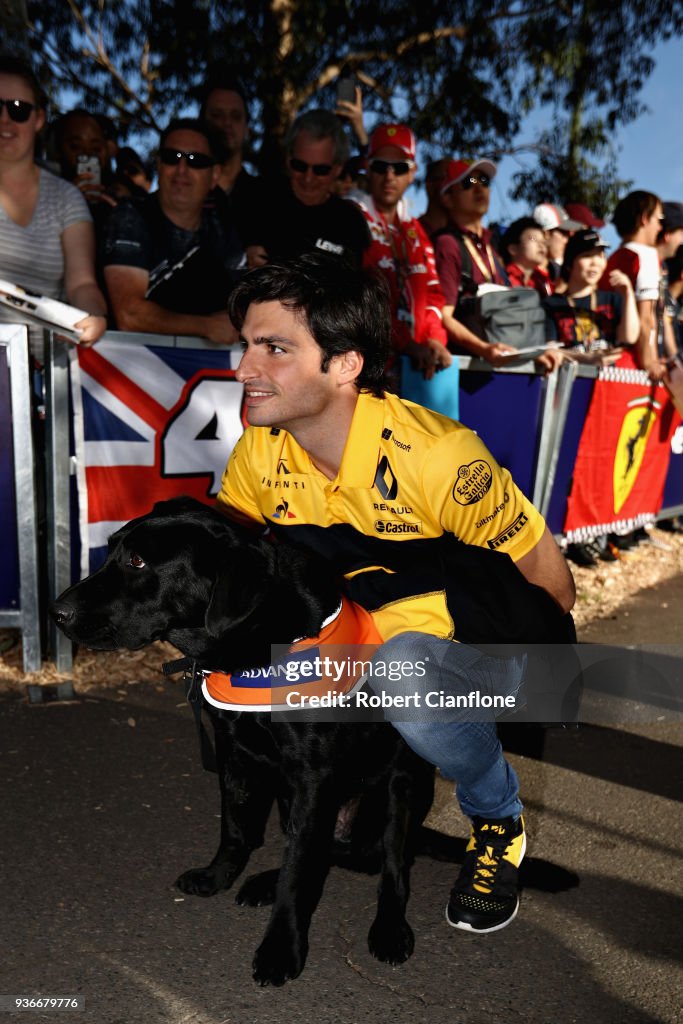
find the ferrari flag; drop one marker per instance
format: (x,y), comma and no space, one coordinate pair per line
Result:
(623,456)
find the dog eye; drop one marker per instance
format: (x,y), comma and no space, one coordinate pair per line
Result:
(136,561)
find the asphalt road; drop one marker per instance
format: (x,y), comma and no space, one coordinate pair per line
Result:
(104,804)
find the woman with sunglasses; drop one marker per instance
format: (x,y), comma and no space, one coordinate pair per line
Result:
(47,242)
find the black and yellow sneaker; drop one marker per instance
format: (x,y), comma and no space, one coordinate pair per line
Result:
(485,896)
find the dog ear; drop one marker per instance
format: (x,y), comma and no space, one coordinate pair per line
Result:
(242,581)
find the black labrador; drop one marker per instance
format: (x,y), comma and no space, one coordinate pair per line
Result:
(184,573)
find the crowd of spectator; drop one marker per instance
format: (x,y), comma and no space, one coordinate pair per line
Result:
(79,221)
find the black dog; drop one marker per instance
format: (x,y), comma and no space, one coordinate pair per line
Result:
(184,573)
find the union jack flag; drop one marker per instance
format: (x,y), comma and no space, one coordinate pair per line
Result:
(150,422)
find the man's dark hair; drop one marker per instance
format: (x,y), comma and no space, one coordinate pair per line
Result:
(59,125)
(320,124)
(674,266)
(194,124)
(513,235)
(343,308)
(631,209)
(10,64)
(223,81)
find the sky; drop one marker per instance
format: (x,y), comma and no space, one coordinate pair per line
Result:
(651,154)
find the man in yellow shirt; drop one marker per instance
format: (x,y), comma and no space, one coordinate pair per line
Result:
(432,536)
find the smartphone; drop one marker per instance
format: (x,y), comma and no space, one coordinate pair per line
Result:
(346,88)
(89,165)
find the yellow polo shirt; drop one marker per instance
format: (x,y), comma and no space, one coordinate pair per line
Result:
(409,480)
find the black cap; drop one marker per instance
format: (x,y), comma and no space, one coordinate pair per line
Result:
(578,244)
(673,216)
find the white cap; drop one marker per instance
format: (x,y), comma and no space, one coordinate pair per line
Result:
(550,216)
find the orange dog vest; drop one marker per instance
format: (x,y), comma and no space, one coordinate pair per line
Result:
(332,663)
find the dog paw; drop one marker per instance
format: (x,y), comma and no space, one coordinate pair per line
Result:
(279,958)
(203,881)
(258,890)
(392,942)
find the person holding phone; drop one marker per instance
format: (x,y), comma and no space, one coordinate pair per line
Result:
(83,155)
(47,241)
(350,106)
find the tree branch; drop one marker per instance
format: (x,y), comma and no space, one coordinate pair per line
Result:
(436,35)
(100,56)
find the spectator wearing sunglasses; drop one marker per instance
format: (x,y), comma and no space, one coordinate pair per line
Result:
(401,251)
(302,213)
(170,263)
(638,218)
(47,242)
(465,258)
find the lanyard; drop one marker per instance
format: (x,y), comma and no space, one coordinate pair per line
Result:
(472,249)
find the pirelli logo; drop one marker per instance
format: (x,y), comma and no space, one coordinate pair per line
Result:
(515,526)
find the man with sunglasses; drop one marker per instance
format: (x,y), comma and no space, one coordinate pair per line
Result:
(302,213)
(170,263)
(402,252)
(465,257)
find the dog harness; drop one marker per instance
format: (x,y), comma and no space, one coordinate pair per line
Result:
(330,664)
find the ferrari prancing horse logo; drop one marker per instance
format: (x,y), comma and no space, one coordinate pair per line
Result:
(633,438)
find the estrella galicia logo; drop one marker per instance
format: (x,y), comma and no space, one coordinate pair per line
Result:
(472,482)
(282,511)
(385,479)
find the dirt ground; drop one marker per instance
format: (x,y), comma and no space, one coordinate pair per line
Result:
(635,600)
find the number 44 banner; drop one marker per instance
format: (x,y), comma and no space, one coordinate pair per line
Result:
(150,423)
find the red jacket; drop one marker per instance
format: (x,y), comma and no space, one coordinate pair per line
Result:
(538,279)
(404,254)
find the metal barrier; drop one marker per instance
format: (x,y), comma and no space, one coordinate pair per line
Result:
(20,601)
(531,423)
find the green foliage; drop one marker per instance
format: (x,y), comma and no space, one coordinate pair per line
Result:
(589,62)
(462,72)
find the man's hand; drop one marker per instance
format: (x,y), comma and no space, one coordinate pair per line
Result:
(218,328)
(93,192)
(91,329)
(619,282)
(496,354)
(353,113)
(429,357)
(551,360)
(657,370)
(256,256)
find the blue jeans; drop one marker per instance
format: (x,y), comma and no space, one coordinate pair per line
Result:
(463,749)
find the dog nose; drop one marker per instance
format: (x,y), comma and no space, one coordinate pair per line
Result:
(62,613)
